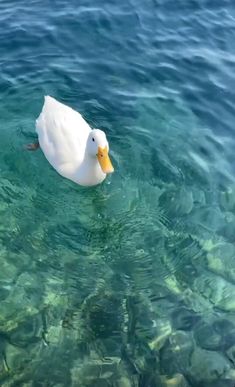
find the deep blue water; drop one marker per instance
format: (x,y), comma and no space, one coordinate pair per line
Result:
(130,283)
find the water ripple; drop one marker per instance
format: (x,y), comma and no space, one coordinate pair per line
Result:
(110,272)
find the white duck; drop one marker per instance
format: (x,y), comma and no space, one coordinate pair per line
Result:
(75,150)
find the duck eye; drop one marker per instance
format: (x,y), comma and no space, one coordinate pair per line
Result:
(93,139)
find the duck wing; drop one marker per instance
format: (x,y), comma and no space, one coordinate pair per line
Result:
(62,134)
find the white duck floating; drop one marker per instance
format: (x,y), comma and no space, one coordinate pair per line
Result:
(76,151)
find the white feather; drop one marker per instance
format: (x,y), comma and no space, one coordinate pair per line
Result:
(62,135)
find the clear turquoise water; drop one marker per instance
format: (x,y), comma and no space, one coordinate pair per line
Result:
(131,283)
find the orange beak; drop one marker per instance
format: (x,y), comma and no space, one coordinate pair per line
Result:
(104,160)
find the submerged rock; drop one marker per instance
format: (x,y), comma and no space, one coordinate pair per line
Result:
(123,382)
(207,367)
(177,380)
(206,337)
(104,316)
(176,355)
(14,311)
(53,335)
(173,285)
(227,229)
(27,333)
(184,319)
(163,331)
(8,274)
(217,290)
(227,199)
(210,218)
(215,333)
(176,201)
(197,302)
(231,354)
(225,327)
(20,362)
(95,372)
(221,260)
(199,198)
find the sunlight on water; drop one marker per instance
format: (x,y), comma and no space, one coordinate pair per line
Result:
(130,283)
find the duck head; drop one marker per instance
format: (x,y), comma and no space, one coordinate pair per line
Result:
(97,146)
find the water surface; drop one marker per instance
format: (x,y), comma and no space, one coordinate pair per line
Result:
(130,283)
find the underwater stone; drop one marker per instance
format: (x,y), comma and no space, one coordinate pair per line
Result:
(4,292)
(104,316)
(199,198)
(15,311)
(4,369)
(226,229)
(24,263)
(227,304)
(177,380)
(173,285)
(53,299)
(217,290)
(207,337)
(196,302)
(184,319)
(54,334)
(53,287)
(92,372)
(210,218)
(123,382)
(122,200)
(221,260)
(230,374)
(225,327)
(231,354)
(163,329)
(29,332)
(175,356)
(227,199)
(32,288)
(207,366)
(22,302)
(223,382)
(21,383)
(17,358)
(176,201)
(8,273)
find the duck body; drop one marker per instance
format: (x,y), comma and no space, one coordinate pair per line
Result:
(70,145)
